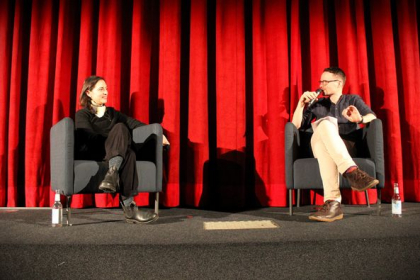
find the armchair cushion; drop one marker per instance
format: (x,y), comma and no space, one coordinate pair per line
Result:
(307,176)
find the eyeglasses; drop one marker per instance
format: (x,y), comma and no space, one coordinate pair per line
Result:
(325,82)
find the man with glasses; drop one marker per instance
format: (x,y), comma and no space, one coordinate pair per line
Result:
(335,121)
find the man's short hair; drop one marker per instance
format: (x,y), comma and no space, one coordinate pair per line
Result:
(337,71)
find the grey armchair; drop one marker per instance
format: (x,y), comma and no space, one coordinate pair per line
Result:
(70,176)
(302,170)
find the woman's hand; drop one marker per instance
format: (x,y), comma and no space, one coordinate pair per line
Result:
(165,141)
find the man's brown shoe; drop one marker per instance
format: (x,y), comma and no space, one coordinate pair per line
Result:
(360,180)
(330,211)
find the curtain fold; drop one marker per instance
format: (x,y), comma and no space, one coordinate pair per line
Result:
(270,99)
(14,191)
(169,92)
(40,96)
(408,81)
(196,145)
(384,91)
(222,77)
(6,31)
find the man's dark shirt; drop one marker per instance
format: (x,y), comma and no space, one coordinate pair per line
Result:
(324,107)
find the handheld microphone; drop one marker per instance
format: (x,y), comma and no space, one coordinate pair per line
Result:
(318,92)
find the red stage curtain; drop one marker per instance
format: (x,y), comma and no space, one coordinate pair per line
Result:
(195,140)
(270,98)
(222,77)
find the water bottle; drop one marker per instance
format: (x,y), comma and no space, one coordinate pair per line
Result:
(396,203)
(57,211)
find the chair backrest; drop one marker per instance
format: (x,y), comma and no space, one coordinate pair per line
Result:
(62,156)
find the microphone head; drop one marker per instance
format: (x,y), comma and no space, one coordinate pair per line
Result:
(318,91)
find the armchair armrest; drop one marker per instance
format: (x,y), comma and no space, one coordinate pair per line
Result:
(141,134)
(62,156)
(292,141)
(374,138)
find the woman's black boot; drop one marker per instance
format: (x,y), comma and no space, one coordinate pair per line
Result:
(111,181)
(134,215)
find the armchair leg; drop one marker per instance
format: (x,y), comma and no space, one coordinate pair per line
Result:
(157,203)
(298,198)
(367,198)
(379,196)
(290,202)
(68,210)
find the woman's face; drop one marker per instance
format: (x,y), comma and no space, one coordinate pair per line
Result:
(99,94)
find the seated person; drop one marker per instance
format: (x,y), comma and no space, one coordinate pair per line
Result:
(334,121)
(103,133)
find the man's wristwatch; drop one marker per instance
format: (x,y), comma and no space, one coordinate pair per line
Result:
(361,121)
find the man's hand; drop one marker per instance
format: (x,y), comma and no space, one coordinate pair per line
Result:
(352,114)
(165,141)
(306,97)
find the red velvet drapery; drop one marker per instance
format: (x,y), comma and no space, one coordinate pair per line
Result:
(222,76)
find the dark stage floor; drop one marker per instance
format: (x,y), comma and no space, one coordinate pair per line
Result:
(367,244)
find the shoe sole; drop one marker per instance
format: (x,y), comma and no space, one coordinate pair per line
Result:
(371,185)
(133,221)
(106,189)
(339,217)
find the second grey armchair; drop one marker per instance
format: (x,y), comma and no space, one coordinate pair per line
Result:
(302,169)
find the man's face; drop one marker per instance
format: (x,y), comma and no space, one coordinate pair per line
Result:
(330,83)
